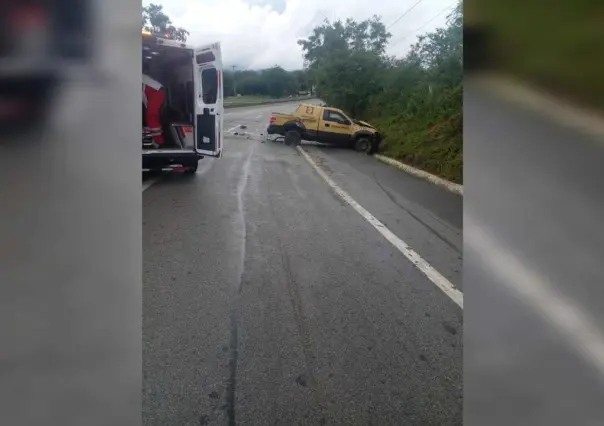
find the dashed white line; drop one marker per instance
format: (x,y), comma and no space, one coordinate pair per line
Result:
(535,290)
(432,274)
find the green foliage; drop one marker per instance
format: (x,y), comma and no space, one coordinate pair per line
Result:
(155,20)
(272,82)
(416,101)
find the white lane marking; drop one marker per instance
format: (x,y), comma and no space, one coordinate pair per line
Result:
(535,290)
(259,116)
(432,274)
(233,128)
(580,118)
(148,183)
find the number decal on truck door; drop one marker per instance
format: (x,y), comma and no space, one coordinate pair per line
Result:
(209,107)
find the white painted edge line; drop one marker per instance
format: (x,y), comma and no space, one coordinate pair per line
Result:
(149,183)
(432,274)
(587,120)
(448,185)
(534,289)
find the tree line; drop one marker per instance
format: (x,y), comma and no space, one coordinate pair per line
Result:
(415,101)
(272,82)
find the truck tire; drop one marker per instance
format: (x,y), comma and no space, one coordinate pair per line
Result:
(192,169)
(362,144)
(293,137)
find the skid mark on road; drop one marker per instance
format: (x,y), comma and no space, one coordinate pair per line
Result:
(432,274)
(231,390)
(308,378)
(417,218)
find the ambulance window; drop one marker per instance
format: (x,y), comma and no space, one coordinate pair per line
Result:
(209,85)
(204,58)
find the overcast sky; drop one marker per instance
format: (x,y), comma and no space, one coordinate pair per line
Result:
(261,33)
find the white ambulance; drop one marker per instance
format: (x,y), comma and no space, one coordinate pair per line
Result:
(192,117)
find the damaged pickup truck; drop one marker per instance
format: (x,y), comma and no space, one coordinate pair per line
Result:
(325,125)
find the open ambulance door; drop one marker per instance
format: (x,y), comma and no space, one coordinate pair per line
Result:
(209,107)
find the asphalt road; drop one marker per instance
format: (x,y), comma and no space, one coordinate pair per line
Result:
(533,273)
(269,300)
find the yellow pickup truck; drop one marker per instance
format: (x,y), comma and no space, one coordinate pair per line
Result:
(326,125)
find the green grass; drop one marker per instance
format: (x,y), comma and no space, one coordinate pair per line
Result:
(558,46)
(436,150)
(429,138)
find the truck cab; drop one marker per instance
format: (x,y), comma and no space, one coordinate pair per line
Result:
(325,125)
(192,116)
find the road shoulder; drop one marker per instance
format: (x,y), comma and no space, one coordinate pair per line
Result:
(453,187)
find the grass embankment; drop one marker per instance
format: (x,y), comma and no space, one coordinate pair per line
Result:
(429,136)
(558,47)
(436,150)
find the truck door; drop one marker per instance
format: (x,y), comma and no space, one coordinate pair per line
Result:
(335,128)
(209,106)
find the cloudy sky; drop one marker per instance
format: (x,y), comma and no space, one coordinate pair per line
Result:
(261,33)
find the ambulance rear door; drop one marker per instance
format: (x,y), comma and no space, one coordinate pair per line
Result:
(209,100)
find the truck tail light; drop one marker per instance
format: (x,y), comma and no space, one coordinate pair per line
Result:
(273,119)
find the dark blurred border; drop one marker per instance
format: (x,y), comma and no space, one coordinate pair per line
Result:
(531,183)
(557,46)
(70,235)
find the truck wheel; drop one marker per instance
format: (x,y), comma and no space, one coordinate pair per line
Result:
(192,169)
(362,145)
(293,137)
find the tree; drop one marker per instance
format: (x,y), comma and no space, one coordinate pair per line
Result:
(155,20)
(301,80)
(341,38)
(345,60)
(278,82)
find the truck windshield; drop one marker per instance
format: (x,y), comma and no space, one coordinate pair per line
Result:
(329,115)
